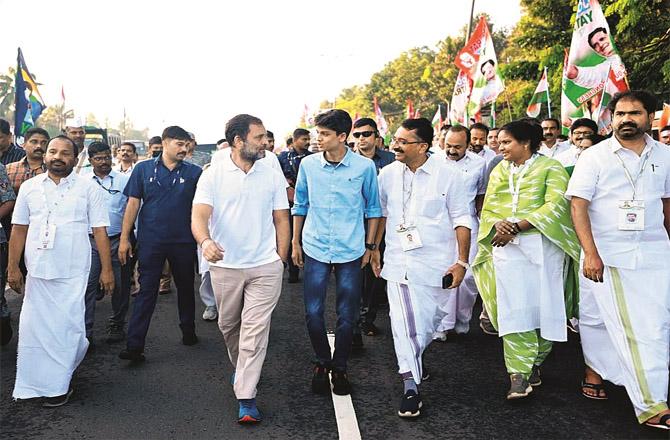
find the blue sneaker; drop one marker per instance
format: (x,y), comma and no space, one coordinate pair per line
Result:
(248,414)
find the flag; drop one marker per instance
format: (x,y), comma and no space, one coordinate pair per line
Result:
(664,120)
(592,55)
(437,119)
(459,100)
(487,80)
(540,96)
(28,101)
(356,118)
(382,126)
(307,117)
(62,93)
(468,57)
(410,109)
(604,116)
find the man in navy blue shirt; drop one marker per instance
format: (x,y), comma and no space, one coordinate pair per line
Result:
(164,186)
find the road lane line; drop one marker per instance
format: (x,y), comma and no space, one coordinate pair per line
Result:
(345,415)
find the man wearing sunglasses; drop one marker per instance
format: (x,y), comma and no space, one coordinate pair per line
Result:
(366,139)
(111,184)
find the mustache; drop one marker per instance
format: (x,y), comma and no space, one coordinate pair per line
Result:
(628,124)
(398,150)
(38,150)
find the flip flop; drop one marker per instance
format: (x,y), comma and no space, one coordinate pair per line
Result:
(598,387)
(661,424)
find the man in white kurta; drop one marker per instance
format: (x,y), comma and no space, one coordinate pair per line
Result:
(458,305)
(423,202)
(52,217)
(620,193)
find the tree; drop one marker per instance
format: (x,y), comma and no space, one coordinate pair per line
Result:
(7,94)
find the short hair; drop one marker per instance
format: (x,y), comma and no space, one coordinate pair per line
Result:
(554,120)
(175,132)
(62,137)
(4,127)
(32,131)
(423,127)
(366,121)
(299,132)
(584,122)
(129,144)
(525,131)
(98,147)
(593,32)
(445,127)
(220,141)
(461,129)
(155,140)
(289,141)
(667,127)
(337,120)
(481,68)
(595,138)
(270,134)
(479,126)
(239,126)
(647,99)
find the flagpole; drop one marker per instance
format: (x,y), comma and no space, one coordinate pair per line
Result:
(548,98)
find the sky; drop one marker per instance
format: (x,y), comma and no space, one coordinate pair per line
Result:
(198,63)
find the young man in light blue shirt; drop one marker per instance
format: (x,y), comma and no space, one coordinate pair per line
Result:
(336,191)
(111,183)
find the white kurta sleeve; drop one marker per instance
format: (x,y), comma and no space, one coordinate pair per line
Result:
(21,215)
(97,207)
(383,195)
(584,178)
(457,203)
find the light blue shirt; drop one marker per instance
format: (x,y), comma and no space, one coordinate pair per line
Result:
(336,199)
(112,187)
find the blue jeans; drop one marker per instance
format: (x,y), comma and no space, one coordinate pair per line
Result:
(348,298)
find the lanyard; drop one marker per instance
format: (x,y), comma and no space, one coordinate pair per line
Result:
(59,200)
(515,190)
(411,192)
(155,178)
(633,182)
(111,185)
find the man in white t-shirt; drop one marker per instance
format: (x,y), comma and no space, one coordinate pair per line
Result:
(251,263)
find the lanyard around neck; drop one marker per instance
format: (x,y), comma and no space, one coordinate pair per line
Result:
(59,198)
(629,177)
(516,190)
(406,200)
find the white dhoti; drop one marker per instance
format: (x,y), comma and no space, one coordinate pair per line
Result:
(415,315)
(529,285)
(634,305)
(457,306)
(52,336)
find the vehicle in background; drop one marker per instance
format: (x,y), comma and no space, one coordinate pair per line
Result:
(203,154)
(140,146)
(95,134)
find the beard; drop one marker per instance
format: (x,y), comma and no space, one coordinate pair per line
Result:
(251,156)
(632,134)
(60,168)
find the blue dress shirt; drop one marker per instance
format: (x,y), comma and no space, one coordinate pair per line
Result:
(112,187)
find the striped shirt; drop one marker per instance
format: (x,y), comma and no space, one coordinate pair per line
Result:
(13,154)
(19,172)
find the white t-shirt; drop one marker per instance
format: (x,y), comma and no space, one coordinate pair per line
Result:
(269,159)
(243,204)
(600,178)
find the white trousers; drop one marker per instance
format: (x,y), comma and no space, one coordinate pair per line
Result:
(52,336)
(635,308)
(415,315)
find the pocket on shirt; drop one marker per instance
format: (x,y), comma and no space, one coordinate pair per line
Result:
(432,208)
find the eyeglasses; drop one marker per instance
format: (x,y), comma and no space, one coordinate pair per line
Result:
(363,133)
(403,142)
(100,159)
(582,133)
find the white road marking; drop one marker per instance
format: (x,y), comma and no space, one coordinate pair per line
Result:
(347,424)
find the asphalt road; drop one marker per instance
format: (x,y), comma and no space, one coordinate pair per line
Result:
(184,393)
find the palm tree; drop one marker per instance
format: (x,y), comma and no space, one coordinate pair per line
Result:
(7,93)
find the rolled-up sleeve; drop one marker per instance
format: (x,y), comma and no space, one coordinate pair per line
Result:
(301,197)
(373,208)
(457,204)
(584,178)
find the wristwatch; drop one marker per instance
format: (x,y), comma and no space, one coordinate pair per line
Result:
(465,265)
(370,246)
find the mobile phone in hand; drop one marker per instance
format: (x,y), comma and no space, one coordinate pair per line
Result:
(447,280)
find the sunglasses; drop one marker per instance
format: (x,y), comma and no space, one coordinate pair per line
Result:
(364,134)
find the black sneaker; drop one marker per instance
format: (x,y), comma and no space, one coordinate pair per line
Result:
(320,383)
(54,402)
(341,385)
(535,379)
(410,405)
(132,355)
(189,337)
(369,329)
(115,333)
(6,332)
(519,387)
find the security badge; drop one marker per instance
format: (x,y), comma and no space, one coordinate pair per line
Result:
(631,215)
(47,236)
(409,237)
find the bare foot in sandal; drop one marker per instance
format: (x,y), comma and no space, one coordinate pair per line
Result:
(660,420)
(592,385)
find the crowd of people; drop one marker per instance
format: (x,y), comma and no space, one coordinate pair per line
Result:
(553,235)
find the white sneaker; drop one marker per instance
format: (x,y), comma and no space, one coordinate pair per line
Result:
(440,336)
(210,313)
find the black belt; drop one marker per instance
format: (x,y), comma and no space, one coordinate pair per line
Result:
(111,237)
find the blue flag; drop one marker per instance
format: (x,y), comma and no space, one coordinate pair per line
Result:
(28,101)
